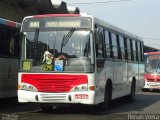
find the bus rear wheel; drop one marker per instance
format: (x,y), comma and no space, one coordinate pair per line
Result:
(131,97)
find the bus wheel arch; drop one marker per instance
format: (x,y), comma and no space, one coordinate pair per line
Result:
(131,96)
(107,96)
(109,87)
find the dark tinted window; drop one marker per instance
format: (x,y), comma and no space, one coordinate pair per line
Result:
(6,35)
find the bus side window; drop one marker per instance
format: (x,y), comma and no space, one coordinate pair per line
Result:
(128,49)
(107,45)
(15,45)
(119,48)
(141,50)
(125,46)
(4,41)
(136,51)
(99,42)
(132,51)
(122,46)
(114,45)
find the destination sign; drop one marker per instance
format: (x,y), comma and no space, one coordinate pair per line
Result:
(152,57)
(30,24)
(73,24)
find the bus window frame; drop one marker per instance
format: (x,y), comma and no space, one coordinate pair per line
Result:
(99,41)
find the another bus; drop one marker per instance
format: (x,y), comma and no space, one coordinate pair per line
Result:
(9,56)
(152,71)
(102,62)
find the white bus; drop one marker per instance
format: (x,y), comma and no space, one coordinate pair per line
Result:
(9,58)
(100,62)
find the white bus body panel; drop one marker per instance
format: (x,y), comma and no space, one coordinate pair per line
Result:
(121,74)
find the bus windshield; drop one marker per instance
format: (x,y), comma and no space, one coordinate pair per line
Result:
(73,44)
(152,63)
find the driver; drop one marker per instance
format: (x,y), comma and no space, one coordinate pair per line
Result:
(48,57)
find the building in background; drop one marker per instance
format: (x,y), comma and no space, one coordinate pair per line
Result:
(16,10)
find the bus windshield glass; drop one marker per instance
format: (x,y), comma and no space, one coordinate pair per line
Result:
(152,63)
(56,51)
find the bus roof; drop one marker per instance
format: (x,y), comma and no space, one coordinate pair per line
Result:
(9,23)
(96,20)
(117,29)
(56,15)
(152,53)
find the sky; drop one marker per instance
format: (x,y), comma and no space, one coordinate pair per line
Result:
(140,17)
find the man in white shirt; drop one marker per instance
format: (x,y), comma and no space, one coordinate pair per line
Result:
(48,57)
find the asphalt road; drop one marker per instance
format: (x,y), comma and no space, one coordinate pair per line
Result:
(146,107)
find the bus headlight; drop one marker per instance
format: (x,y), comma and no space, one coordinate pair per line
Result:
(28,87)
(79,88)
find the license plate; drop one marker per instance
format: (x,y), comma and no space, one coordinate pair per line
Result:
(81,96)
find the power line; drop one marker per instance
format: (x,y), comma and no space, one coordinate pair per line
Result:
(155,44)
(157,39)
(106,2)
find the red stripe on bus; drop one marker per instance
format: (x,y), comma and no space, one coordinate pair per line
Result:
(56,15)
(13,24)
(152,53)
(54,82)
(152,78)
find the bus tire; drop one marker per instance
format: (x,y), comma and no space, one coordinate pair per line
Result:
(107,99)
(145,90)
(131,97)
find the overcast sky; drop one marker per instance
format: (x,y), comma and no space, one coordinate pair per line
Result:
(141,17)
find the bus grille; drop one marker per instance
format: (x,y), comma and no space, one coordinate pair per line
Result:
(54,82)
(53,97)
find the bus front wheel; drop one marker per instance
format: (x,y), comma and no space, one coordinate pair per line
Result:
(107,99)
(131,97)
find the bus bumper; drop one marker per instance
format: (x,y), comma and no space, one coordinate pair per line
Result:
(152,85)
(43,97)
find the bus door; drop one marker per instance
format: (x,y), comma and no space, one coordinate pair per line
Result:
(100,60)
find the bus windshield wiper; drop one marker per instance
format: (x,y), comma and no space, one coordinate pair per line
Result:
(36,37)
(35,42)
(66,38)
